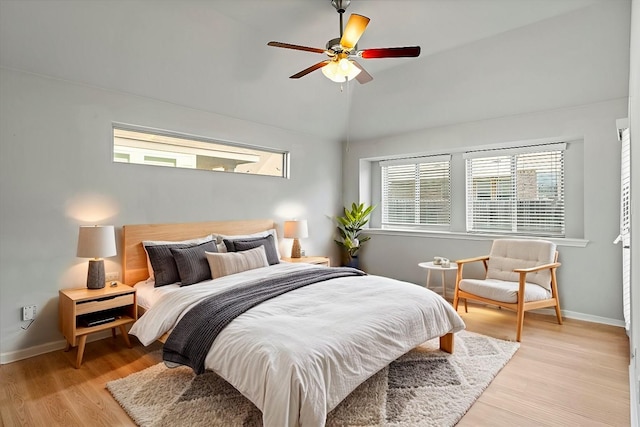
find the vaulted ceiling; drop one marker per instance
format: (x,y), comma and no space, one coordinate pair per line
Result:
(213,56)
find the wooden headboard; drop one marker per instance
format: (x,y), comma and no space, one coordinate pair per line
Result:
(134,258)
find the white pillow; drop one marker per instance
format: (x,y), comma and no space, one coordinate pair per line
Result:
(222,248)
(191,242)
(224,264)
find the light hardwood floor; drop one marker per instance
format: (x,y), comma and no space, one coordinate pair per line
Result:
(570,375)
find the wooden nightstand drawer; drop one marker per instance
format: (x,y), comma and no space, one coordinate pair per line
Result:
(106,303)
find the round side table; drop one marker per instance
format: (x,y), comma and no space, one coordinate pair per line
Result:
(430,266)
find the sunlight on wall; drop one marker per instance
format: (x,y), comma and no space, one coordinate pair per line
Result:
(290,210)
(91,208)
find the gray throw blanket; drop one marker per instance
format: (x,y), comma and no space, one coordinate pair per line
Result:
(194,334)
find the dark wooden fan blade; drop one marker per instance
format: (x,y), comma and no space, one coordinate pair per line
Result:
(310,69)
(296,47)
(391,52)
(362,77)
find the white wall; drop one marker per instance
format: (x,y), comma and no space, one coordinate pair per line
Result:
(564,77)
(571,59)
(56,173)
(590,277)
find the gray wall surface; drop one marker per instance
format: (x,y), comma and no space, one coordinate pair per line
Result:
(565,78)
(590,277)
(56,173)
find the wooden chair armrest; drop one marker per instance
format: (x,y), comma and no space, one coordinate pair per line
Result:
(475,259)
(537,268)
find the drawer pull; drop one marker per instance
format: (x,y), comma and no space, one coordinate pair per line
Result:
(101,299)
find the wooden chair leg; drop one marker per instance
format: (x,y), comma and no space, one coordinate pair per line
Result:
(520,323)
(554,292)
(466,309)
(558,314)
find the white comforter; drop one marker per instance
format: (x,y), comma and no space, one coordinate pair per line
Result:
(298,355)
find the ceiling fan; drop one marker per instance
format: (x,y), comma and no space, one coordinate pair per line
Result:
(339,67)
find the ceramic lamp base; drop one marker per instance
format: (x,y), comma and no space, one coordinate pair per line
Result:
(295,249)
(95,275)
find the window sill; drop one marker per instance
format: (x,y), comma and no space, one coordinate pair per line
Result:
(569,242)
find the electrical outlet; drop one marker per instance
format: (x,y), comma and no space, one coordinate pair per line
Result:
(29,312)
(109,277)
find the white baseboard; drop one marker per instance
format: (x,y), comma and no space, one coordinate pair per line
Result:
(582,316)
(14,356)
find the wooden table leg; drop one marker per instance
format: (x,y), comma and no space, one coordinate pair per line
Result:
(125,335)
(81,343)
(113,332)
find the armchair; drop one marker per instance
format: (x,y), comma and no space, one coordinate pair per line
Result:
(519,275)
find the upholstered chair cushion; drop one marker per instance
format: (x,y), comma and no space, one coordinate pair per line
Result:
(508,254)
(504,291)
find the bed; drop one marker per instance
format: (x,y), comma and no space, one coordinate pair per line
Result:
(296,356)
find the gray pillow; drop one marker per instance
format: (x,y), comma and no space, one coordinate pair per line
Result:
(192,264)
(239,245)
(164,266)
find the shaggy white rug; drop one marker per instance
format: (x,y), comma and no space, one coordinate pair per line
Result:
(425,387)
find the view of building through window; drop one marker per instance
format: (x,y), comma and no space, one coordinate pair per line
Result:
(513,190)
(416,192)
(159,148)
(521,193)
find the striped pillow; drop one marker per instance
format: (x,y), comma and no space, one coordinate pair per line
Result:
(224,264)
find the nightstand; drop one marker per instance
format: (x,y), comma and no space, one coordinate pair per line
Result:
(318,260)
(83,311)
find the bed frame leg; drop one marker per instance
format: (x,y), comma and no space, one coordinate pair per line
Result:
(446,343)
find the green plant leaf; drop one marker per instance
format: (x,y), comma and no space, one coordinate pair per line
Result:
(350,226)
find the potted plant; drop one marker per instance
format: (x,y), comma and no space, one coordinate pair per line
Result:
(350,227)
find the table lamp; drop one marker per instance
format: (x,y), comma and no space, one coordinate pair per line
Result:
(296,229)
(97,242)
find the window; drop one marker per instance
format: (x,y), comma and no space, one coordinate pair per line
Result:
(160,148)
(416,192)
(518,191)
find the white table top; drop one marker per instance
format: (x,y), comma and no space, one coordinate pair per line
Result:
(431,266)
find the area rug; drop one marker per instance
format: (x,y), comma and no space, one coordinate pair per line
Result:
(425,387)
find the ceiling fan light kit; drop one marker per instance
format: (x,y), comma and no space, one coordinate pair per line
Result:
(340,71)
(339,67)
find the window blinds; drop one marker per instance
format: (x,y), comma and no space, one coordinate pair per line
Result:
(417,191)
(516,190)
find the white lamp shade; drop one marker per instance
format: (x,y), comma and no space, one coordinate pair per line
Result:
(96,241)
(296,229)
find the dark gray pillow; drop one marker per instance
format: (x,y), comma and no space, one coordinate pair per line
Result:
(239,245)
(192,263)
(165,271)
